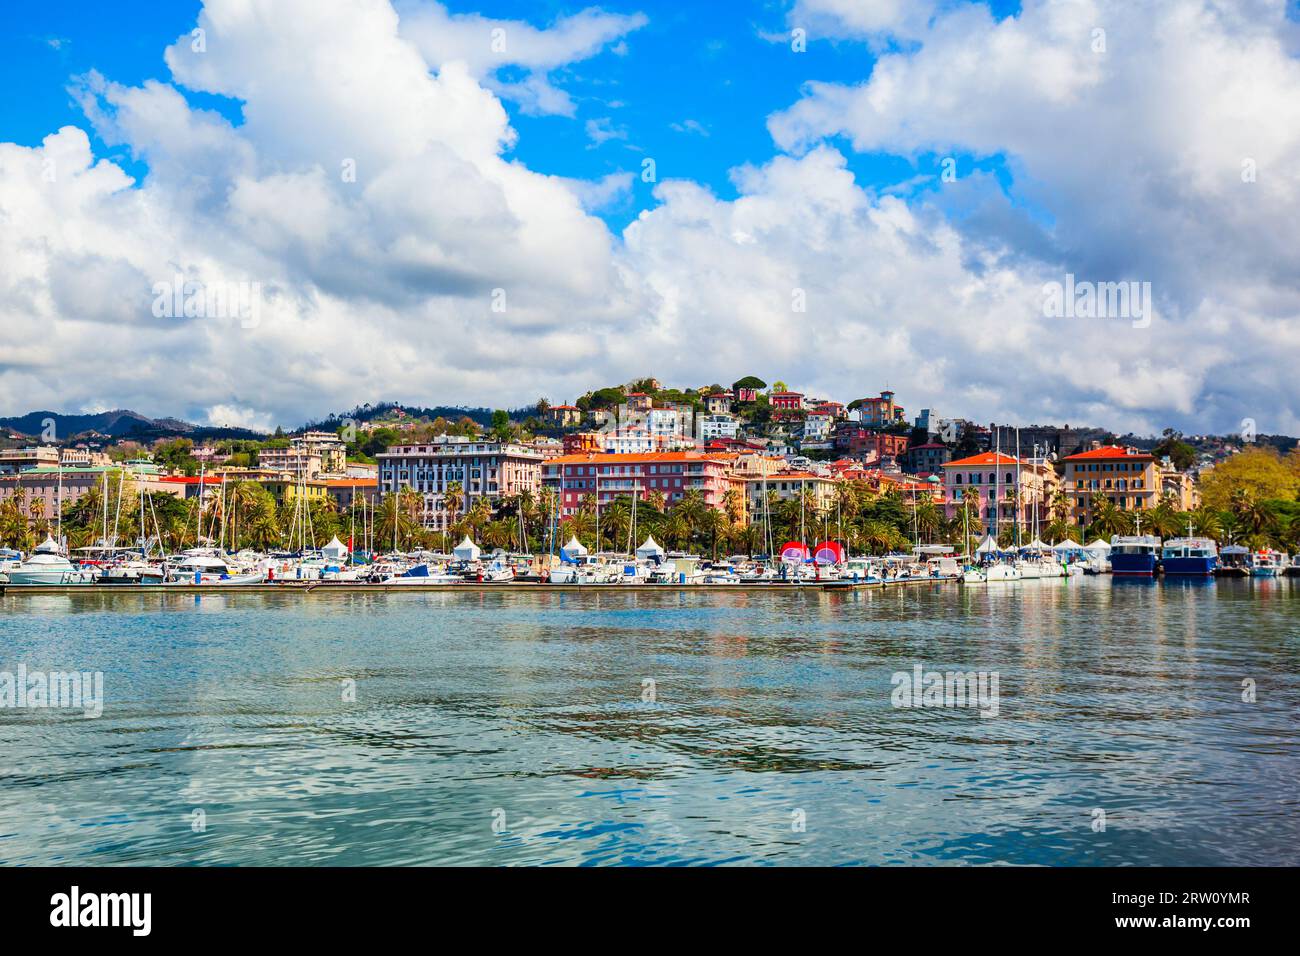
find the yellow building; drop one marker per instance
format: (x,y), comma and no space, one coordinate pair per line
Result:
(1128,477)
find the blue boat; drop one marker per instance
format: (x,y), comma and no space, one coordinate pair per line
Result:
(1189,557)
(1134,555)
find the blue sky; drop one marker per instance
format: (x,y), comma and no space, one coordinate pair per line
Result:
(692,91)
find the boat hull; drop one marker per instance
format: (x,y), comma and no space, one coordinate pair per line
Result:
(19,578)
(1133,565)
(1200,567)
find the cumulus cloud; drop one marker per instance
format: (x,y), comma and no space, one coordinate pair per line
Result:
(489,46)
(366,195)
(1156,140)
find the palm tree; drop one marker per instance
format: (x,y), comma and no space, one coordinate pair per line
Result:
(1110,520)
(581,525)
(1164,520)
(392,522)
(733,504)
(498,534)
(616,523)
(452,501)
(712,524)
(675,530)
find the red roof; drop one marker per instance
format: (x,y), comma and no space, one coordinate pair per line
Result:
(192,479)
(1110,452)
(985,458)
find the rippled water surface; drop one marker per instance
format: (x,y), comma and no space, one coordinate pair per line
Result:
(771,738)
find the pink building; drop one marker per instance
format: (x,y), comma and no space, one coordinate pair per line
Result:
(1008,491)
(608,477)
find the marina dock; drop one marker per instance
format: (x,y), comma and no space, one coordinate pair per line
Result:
(348,587)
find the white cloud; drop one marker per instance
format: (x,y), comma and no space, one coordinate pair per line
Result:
(487,46)
(861,18)
(381,286)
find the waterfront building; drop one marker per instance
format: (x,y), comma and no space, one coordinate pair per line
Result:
(789,485)
(1128,477)
(1009,492)
(607,477)
(50,489)
(483,469)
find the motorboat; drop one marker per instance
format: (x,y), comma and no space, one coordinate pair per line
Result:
(204,566)
(1134,555)
(1189,557)
(1266,563)
(47,565)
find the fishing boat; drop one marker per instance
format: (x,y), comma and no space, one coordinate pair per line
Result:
(1134,555)
(47,565)
(1189,557)
(1233,562)
(1265,563)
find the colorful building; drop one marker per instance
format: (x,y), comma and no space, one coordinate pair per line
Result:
(482,469)
(881,412)
(1007,492)
(564,416)
(1128,477)
(608,477)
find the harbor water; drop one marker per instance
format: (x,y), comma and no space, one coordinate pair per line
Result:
(1135,723)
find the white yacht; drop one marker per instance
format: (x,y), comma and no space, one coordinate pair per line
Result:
(46,565)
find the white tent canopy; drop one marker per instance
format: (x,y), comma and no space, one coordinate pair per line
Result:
(467,550)
(1069,544)
(987,546)
(1038,544)
(335,549)
(650,549)
(1098,545)
(573,549)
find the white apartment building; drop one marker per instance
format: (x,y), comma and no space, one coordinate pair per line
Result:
(713,427)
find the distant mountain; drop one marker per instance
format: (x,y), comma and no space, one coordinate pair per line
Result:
(119,423)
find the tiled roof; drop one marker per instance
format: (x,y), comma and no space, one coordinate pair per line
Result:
(1109,452)
(985,458)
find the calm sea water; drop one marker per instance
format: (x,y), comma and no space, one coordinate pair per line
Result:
(508,728)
